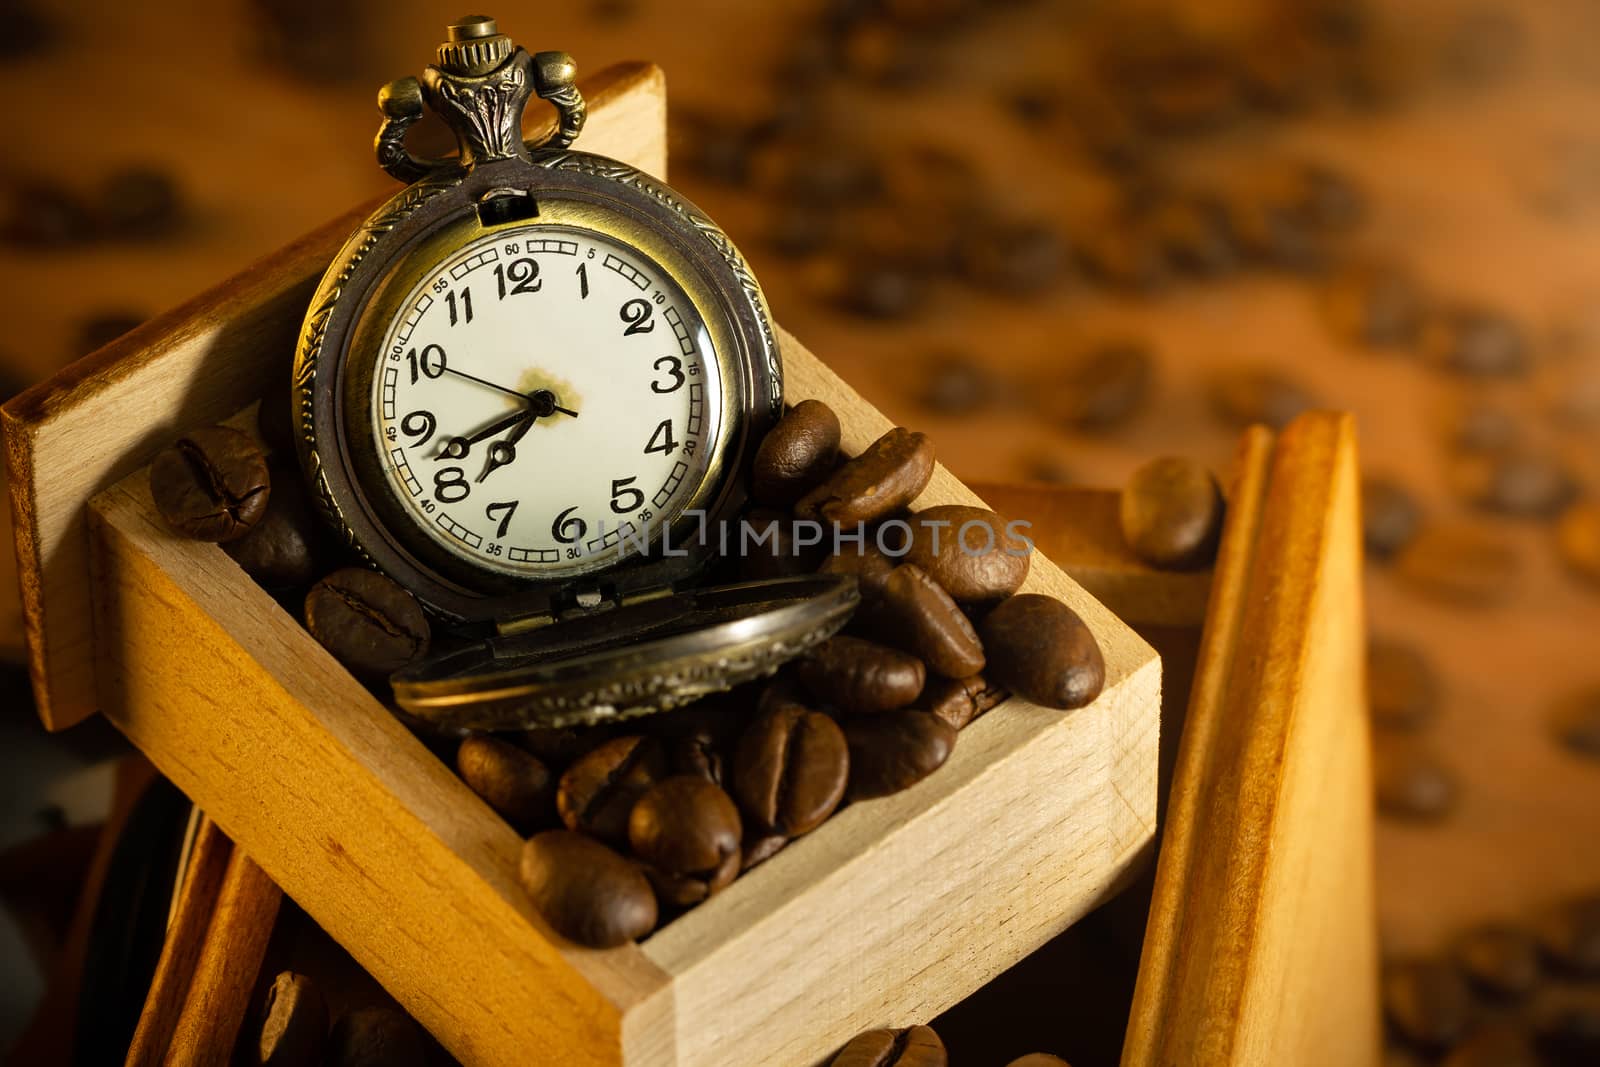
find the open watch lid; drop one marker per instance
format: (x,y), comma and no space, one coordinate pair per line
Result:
(626,661)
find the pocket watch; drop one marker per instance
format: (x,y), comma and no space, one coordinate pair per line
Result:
(526,388)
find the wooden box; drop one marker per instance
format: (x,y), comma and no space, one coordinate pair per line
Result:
(894,909)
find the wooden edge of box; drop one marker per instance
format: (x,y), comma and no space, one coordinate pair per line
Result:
(1261,941)
(71,436)
(1081,530)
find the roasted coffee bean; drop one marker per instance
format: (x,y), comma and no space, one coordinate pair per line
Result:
(1013,258)
(376,1037)
(211,484)
(559,746)
(99,330)
(1191,232)
(1171,514)
(1275,234)
(1576,721)
(1041,650)
(796,455)
(1474,342)
(294,1023)
(1479,425)
(759,847)
(1374,303)
(597,793)
(1103,387)
(916,1046)
(1123,258)
(1390,516)
(890,474)
(39,214)
(895,750)
(285,549)
(1566,1025)
(957,701)
(140,202)
(1521,483)
(684,825)
(1412,784)
(790,770)
(1402,688)
(882,289)
(1459,563)
(866,563)
(917,615)
(955,383)
(1578,537)
(1483,44)
(773,547)
(1245,394)
(585,891)
(1569,932)
(861,676)
(1427,1002)
(975,555)
(371,624)
(698,753)
(1038,1059)
(1497,1043)
(687,890)
(1500,960)
(513,781)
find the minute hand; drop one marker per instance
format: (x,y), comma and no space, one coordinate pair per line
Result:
(483,381)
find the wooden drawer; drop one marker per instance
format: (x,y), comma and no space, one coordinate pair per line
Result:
(1037,818)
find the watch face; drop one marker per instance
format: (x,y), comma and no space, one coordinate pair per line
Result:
(547,399)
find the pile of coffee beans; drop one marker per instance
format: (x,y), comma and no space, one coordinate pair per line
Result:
(132,203)
(915,1046)
(295,1032)
(1502,994)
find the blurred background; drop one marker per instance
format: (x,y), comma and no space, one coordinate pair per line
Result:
(1059,236)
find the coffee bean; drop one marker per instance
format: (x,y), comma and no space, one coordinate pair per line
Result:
(882,289)
(585,891)
(1569,932)
(559,746)
(790,770)
(1575,721)
(1427,1002)
(1497,1043)
(100,329)
(1474,342)
(1013,258)
(1578,537)
(698,753)
(800,230)
(915,614)
(1103,387)
(1041,650)
(1038,1059)
(1500,960)
(684,825)
(1191,233)
(975,555)
(597,793)
(1566,1026)
(770,547)
(1402,688)
(1275,234)
(1459,563)
(211,484)
(376,1037)
(285,549)
(1122,258)
(687,890)
(1482,426)
(866,563)
(958,701)
(1520,483)
(294,1024)
(890,474)
(140,202)
(371,624)
(916,1046)
(861,676)
(40,214)
(1483,45)
(1412,784)
(796,455)
(759,846)
(1171,514)
(513,781)
(1390,516)
(1244,395)
(1374,303)
(954,383)
(895,750)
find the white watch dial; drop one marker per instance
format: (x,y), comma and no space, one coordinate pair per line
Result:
(547,397)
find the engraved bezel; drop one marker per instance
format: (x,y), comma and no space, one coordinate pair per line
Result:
(402,242)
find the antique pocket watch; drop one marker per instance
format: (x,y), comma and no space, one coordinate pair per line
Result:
(526,388)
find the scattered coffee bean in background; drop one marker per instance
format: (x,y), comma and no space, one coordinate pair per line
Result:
(140,202)
(211,484)
(1377,304)
(1569,931)
(510,779)
(1575,720)
(1103,387)
(1496,1043)
(370,623)
(1475,342)
(790,770)
(1171,514)
(1040,649)
(1412,783)
(1402,686)
(1427,1002)
(1390,516)
(375,1037)
(1247,394)
(957,383)
(1499,959)
(294,1024)
(1520,483)
(1460,563)
(585,891)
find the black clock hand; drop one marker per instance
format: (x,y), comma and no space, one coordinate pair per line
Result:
(483,381)
(457,447)
(503,452)
(544,399)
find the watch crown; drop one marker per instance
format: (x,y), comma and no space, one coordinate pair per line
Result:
(475,46)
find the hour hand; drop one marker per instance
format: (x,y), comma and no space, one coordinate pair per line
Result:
(458,447)
(504,452)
